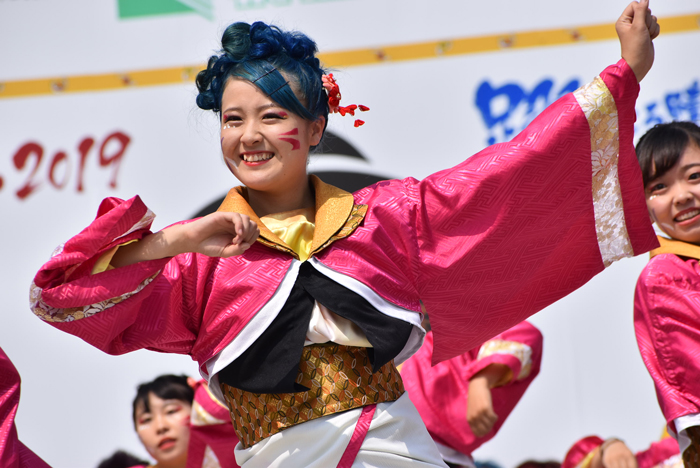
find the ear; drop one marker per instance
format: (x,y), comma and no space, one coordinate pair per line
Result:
(316,130)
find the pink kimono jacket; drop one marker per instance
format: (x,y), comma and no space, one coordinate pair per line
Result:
(667,325)
(662,454)
(484,244)
(440,393)
(13,453)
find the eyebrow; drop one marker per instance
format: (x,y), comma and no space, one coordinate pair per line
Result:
(260,108)
(688,166)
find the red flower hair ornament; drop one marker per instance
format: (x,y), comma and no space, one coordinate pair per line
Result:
(334,100)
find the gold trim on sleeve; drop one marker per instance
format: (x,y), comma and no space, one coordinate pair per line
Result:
(600,110)
(52,314)
(521,351)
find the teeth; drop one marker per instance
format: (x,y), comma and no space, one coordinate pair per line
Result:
(687,215)
(257,157)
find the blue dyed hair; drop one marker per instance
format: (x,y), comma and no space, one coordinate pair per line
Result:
(273,60)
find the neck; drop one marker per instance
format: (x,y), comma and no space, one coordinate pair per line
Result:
(265,203)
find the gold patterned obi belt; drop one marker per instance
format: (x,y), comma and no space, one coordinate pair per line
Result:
(339,378)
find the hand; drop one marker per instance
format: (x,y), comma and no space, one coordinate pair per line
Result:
(636,28)
(615,454)
(219,234)
(480,414)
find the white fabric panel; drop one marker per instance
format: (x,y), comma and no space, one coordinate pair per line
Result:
(396,438)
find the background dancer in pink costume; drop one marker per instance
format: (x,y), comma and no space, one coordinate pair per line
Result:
(181,424)
(594,452)
(297,299)
(667,299)
(13,453)
(465,400)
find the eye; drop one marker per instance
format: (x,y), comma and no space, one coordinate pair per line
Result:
(145,420)
(694,176)
(230,120)
(273,116)
(656,188)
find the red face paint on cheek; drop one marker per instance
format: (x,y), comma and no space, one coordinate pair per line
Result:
(186,421)
(293,141)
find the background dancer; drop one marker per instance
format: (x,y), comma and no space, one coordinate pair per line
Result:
(594,452)
(465,400)
(666,305)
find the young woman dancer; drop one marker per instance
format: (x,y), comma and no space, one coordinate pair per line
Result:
(181,425)
(667,299)
(297,299)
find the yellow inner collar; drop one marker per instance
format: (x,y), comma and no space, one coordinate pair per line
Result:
(295,228)
(334,207)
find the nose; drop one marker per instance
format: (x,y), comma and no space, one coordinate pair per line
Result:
(682,195)
(251,134)
(161,424)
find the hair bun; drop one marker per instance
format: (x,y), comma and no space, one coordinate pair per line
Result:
(236,41)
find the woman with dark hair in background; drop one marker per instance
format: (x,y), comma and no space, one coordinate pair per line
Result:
(161,414)
(667,297)
(181,425)
(297,299)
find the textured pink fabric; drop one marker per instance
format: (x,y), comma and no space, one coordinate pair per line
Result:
(13,453)
(358,436)
(484,245)
(440,393)
(221,438)
(504,234)
(667,325)
(657,453)
(580,450)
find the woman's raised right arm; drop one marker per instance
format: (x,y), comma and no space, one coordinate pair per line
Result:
(150,300)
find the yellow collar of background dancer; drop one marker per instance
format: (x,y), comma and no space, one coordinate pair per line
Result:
(676,247)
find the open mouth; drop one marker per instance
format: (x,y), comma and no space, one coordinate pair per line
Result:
(256,157)
(686,215)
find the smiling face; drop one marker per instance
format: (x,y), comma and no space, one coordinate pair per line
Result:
(673,199)
(264,145)
(164,430)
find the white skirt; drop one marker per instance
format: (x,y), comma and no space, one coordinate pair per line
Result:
(396,438)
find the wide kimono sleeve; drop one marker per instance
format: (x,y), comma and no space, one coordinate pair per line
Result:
(521,224)
(13,453)
(663,453)
(152,304)
(440,392)
(667,327)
